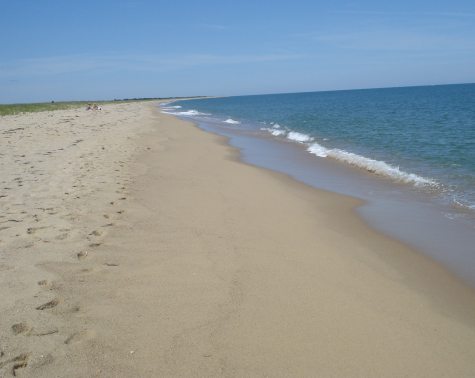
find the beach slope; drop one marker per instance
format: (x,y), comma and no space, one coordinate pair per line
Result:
(179,260)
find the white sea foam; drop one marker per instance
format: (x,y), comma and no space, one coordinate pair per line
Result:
(191,112)
(463,204)
(375,166)
(299,137)
(166,107)
(274,132)
(232,121)
(318,150)
(277,132)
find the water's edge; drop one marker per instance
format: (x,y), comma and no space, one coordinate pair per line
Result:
(388,208)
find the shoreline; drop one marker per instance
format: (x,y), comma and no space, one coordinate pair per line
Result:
(218,268)
(415,216)
(357,204)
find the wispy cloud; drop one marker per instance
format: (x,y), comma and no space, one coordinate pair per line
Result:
(56,65)
(459,14)
(397,35)
(394,40)
(396,31)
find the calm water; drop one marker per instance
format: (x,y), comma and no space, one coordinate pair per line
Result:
(423,136)
(408,152)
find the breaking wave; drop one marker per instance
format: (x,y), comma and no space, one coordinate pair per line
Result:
(374,166)
(189,113)
(232,121)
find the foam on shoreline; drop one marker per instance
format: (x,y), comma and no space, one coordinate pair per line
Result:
(232,121)
(377,167)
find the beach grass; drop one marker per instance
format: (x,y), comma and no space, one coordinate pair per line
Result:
(8,109)
(38,107)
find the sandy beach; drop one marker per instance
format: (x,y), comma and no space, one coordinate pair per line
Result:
(134,244)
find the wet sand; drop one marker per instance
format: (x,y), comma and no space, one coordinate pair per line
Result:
(135,244)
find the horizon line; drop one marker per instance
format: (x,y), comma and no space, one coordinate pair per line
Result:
(240,95)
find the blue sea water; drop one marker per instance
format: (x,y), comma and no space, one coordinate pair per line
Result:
(420,136)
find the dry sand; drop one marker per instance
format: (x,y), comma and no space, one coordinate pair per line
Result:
(133,244)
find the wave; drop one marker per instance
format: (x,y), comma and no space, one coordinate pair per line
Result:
(191,112)
(232,121)
(463,204)
(274,132)
(171,107)
(374,166)
(277,132)
(299,137)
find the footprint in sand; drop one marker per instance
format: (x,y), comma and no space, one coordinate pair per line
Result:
(62,236)
(25,328)
(19,328)
(4,267)
(82,255)
(44,284)
(32,230)
(96,233)
(48,305)
(73,309)
(19,362)
(43,332)
(80,336)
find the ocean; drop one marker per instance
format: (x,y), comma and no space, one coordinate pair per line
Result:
(408,152)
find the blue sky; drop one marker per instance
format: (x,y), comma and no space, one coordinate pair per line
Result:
(71,50)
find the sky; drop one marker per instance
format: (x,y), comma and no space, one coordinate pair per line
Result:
(106,49)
